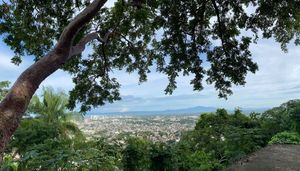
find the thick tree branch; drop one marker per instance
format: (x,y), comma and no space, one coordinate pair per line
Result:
(79,21)
(202,13)
(79,47)
(106,37)
(220,27)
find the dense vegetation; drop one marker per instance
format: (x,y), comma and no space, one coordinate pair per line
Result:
(48,140)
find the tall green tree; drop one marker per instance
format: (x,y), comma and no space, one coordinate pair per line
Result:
(47,138)
(285,117)
(135,35)
(227,137)
(52,109)
(51,120)
(136,154)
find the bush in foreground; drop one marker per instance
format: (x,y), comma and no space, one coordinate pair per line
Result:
(285,138)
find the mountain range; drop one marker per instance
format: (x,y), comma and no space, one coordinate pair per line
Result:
(183,111)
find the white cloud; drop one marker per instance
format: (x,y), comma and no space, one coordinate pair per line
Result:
(109,3)
(59,80)
(5,64)
(124,109)
(8,70)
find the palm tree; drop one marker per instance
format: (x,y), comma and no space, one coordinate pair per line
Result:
(52,109)
(48,121)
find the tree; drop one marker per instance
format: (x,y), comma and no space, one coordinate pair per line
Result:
(51,120)
(227,137)
(49,141)
(135,36)
(285,117)
(52,110)
(136,154)
(66,154)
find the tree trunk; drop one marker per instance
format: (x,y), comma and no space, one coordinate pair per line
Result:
(16,101)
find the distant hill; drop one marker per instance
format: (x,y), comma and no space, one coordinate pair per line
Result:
(187,111)
(184,111)
(249,110)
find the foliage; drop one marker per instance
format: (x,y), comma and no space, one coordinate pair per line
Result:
(64,154)
(284,117)
(32,132)
(191,159)
(135,154)
(52,107)
(8,163)
(286,138)
(226,136)
(204,162)
(218,139)
(47,124)
(48,119)
(162,157)
(3,88)
(173,38)
(141,154)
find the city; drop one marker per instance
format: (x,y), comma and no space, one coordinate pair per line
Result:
(155,128)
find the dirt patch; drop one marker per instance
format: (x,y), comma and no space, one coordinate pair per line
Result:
(273,157)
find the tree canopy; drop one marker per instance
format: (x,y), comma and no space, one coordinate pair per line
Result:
(141,36)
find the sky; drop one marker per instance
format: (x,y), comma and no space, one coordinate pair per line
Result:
(276,82)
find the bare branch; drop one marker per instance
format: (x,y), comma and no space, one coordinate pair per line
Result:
(202,13)
(106,37)
(79,48)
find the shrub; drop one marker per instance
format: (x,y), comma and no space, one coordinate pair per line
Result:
(285,138)
(8,163)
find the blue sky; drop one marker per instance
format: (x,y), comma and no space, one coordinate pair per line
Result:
(276,82)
